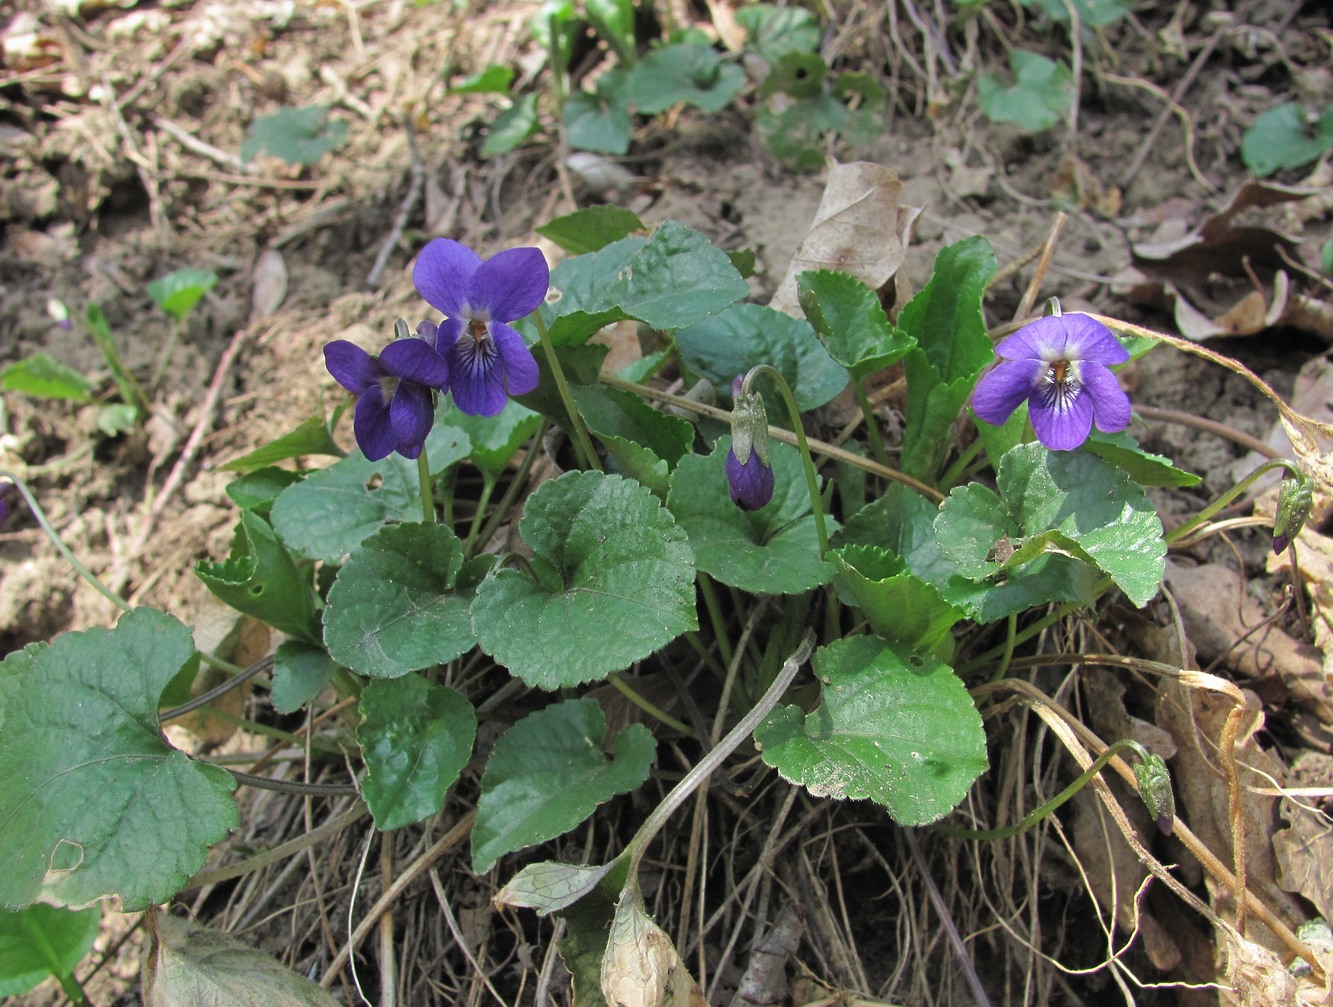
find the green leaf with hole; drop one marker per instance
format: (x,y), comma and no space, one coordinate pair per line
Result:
(43,941)
(850,321)
(592,228)
(773,550)
(43,376)
(260,579)
(180,290)
(1072,504)
(416,738)
(330,512)
(495,79)
(393,608)
(312,437)
(511,126)
(894,726)
(300,673)
(732,342)
(683,73)
(1041,93)
(613,581)
(295,135)
(95,802)
(1283,137)
(549,772)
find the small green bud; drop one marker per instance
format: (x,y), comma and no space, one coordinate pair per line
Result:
(1155,790)
(1295,498)
(400,329)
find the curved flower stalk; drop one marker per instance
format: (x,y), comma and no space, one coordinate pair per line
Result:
(488,360)
(396,403)
(1059,365)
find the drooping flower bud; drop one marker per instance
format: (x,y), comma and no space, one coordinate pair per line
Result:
(1295,498)
(1155,790)
(749,476)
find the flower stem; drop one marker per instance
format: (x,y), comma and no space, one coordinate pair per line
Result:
(582,443)
(811,478)
(872,425)
(1037,814)
(1181,530)
(647,706)
(427,493)
(715,616)
(483,500)
(515,486)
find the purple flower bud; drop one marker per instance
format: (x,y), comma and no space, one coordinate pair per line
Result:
(751,483)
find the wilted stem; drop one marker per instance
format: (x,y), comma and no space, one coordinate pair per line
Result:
(704,768)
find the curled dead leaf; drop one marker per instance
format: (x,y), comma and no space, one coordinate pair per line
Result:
(859,229)
(641,967)
(188,965)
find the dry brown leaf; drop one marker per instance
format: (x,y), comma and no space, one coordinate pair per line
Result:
(641,967)
(1196,719)
(859,229)
(188,965)
(1218,611)
(1304,850)
(270,285)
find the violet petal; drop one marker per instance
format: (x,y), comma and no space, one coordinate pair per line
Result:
(477,377)
(509,285)
(442,274)
(372,426)
(352,367)
(751,485)
(415,360)
(1004,388)
(1111,410)
(411,412)
(1062,429)
(520,366)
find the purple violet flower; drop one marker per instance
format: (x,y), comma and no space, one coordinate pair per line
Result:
(396,406)
(1059,365)
(488,360)
(751,484)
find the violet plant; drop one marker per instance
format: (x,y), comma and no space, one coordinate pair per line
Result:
(898,585)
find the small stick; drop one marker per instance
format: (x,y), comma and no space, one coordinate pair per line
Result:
(1043,263)
(414,191)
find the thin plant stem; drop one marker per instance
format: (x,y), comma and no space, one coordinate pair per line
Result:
(715,616)
(1185,528)
(1037,814)
(515,486)
(582,443)
(73,990)
(877,447)
(483,499)
(955,471)
(718,754)
(1003,668)
(794,412)
(1022,636)
(87,575)
(648,707)
(427,490)
(173,337)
